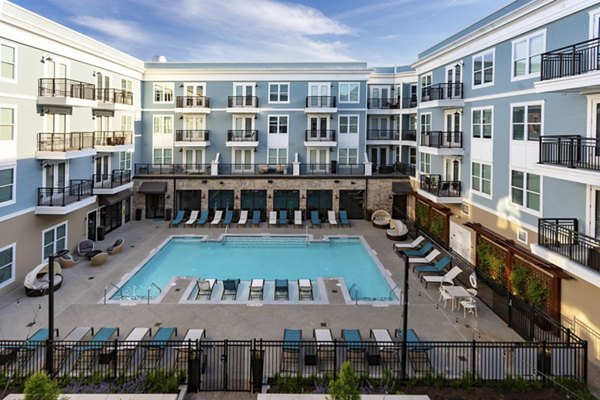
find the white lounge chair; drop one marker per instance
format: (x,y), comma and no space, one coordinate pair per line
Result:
(243,218)
(298,218)
(193,218)
(331,218)
(273,218)
(412,245)
(305,291)
(217,218)
(448,278)
(424,260)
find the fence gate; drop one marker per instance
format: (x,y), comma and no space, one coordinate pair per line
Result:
(222,366)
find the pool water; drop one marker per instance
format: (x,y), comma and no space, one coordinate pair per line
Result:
(267,257)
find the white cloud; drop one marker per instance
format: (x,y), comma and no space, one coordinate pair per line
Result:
(116,29)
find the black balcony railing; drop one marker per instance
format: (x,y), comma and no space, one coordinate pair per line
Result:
(321,102)
(332,168)
(242,135)
(117,96)
(406,169)
(172,169)
(409,135)
(65,141)
(562,236)
(383,134)
(409,102)
(191,135)
(193,102)
(571,60)
(318,135)
(62,196)
(118,178)
(442,91)
(436,186)
(62,87)
(570,151)
(255,169)
(113,138)
(442,140)
(242,102)
(383,104)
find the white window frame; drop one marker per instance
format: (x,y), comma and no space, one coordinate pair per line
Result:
(480,110)
(278,85)
(245,165)
(163,118)
(594,23)
(13,199)
(125,160)
(165,85)
(424,163)
(528,74)
(346,160)
(279,124)
(12,278)
(348,85)
(348,117)
(162,155)
(14,122)
(480,191)
(482,55)
(194,160)
(54,228)
(525,133)
(16,57)
(277,151)
(522,236)
(128,84)
(525,189)
(420,121)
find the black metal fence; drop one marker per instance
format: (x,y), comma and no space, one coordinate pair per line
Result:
(383,134)
(242,135)
(242,101)
(442,91)
(65,141)
(377,103)
(118,178)
(571,60)
(442,140)
(570,151)
(62,196)
(192,102)
(319,135)
(435,185)
(113,138)
(321,102)
(192,135)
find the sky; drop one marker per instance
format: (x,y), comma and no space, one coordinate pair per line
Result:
(380,32)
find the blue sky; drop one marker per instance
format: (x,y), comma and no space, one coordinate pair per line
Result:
(385,32)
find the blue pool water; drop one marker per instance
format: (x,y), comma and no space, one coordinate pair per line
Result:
(266,257)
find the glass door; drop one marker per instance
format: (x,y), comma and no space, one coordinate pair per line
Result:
(244,94)
(91,225)
(318,160)
(318,127)
(319,94)
(242,159)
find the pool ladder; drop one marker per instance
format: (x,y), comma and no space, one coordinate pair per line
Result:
(119,289)
(150,288)
(354,286)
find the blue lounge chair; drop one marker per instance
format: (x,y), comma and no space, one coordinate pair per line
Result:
(355,349)
(436,268)
(203,218)
(290,356)
(88,351)
(417,352)
(344,218)
(178,219)
(314,218)
(230,287)
(21,353)
(412,339)
(256,217)
(421,252)
(282,217)
(281,289)
(228,217)
(156,347)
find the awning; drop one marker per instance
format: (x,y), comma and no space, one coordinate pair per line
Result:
(103,113)
(401,188)
(153,187)
(110,199)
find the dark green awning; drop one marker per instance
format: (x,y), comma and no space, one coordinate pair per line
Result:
(153,187)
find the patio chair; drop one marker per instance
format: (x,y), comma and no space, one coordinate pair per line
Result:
(448,278)
(398,231)
(191,338)
(243,218)
(290,350)
(344,221)
(116,247)
(84,247)
(314,219)
(428,259)
(305,291)
(470,306)
(217,218)
(417,351)
(37,281)
(203,218)
(388,352)
(281,289)
(356,351)
(15,356)
(283,218)
(67,261)
(421,252)
(230,288)
(178,218)
(256,218)
(412,245)
(381,219)
(228,218)
(257,287)
(155,348)
(298,218)
(331,218)
(192,219)
(444,295)
(99,259)
(325,349)
(88,353)
(435,268)
(128,347)
(63,354)
(205,288)
(273,218)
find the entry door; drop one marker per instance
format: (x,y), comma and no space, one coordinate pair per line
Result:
(191,123)
(353,202)
(91,225)
(454,75)
(381,128)
(242,159)
(102,168)
(452,128)
(378,156)
(319,94)
(243,126)
(155,206)
(318,159)
(318,127)
(451,169)
(399,207)
(380,96)
(244,94)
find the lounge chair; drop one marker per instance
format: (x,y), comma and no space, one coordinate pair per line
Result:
(434,269)
(243,218)
(397,231)
(205,288)
(417,351)
(98,259)
(203,218)
(381,219)
(256,218)
(388,352)
(344,218)
(283,218)
(228,218)
(290,351)
(217,218)
(314,218)
(14,356)
(281,289)
(84,247)
(63,354)
(421,252)
(67,261)
(88,352)
(192,336)
(156,347)
(127,348)
(298,218)
(331,218)
(305,291)
(448,278)
(178,218)
(355,349)
(257,287)
(412,245)
(325,350)
(230,287)
(192,219)
(37,281)
(428,259)
(273,218)
(116,247)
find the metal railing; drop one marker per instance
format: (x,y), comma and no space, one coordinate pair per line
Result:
(240,135)
(409,103)
(113,138)
(109,181)
(406,169)
(442,140)
(242,101)
(572,60)
(570,151)
(319,135)
(117,96)
(255,169)
(61,196)
(383,104)
(383,134)
(193,102)
(332,168)
(321,102)
(65,141)
(436,186)
(62,87)
(409,135)
(191,135)
(562,236)
(172,169)
(442,91)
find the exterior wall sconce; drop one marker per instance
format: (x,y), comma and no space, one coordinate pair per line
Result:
(269,196)
(302,197)
(45,58)
(336,181)
(336,197)
(203,195)
(220,183)
(269,181)
(237,196)
(204,181)
(181,85)
(181,117)
(94,73)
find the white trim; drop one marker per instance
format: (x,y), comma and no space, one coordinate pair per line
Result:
(162,124)
(278,124)
(348,156)
(349,116)
(14,185)
(277,149)
(524,208)
(594,23)
(523,236)
(66,224)
(13,264)
(592,100)
(482,55)
(279,93)
(501,95)
(165,85)
(14,45)
(482,108)
(525,104)
(481,193)
(195,85)
(340,101)
(244,85)
(526,38)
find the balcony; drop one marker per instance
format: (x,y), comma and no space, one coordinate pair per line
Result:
(64,146)
(242,104)
(442,143)
(63,200)
(409,103)
(64,92)
(435,189)
(107,184)
(172,169)
(319,138)
(383,106)
(114,99)
(409,135)
(193,105)
(381,136)
(242,138)
(445,95)
(113,141)
(561,156)
(191,138)
(320,104)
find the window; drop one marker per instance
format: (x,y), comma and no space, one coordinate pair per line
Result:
(124,160)
(279,92)
(483,69)
(348,92)
(426,81)
(126,84)
(163,92)
(54,239)
(481,175)
(425,166)
(278,124)
(7,62)
(163,156)
(425,123)
(7,265)
(348,156)
(7,186)
(348,124)
(7,123)
(277,156)
(162,124)
(482,123)
(527,122)
(527,55)
(412,155)
(525,190)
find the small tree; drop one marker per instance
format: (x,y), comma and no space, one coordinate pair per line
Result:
(345,387)
(39,386)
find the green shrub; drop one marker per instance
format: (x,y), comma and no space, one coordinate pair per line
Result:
(39,386)
(345,387)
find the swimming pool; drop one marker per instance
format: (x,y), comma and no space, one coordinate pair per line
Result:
(269,257)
